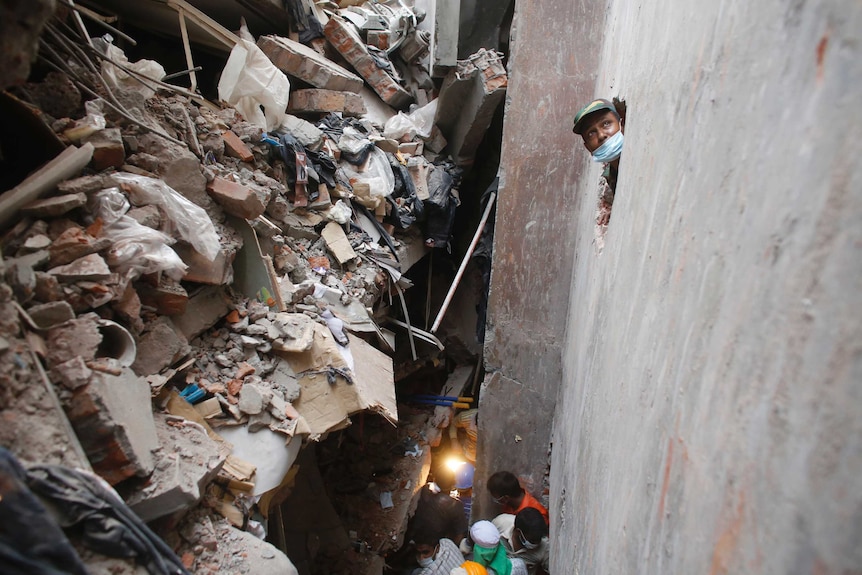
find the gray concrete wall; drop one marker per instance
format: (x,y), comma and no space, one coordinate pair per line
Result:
(710,419)
(535,228)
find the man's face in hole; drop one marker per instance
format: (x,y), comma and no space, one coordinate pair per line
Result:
(423,550)
(599,126)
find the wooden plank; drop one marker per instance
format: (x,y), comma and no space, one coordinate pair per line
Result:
(69,163)
(206,23)
(188,50)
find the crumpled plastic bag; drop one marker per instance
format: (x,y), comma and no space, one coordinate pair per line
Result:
(190,221)
(354,146)
(375,172)
(340,212)
(135,248)
(419,122)
(250,81)
(118,78)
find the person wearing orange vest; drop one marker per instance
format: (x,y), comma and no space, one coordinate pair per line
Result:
(511,497)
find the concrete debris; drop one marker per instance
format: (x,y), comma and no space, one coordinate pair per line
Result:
(211,545)
(254,329)
(159,347)
(54,207)
(91,267)
(186,462)
(112,419)
(298,60)
(469,96)
(344,37)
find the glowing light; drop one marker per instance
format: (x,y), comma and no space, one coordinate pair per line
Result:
(454,462)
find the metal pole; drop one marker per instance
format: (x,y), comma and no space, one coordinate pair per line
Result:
(464,262)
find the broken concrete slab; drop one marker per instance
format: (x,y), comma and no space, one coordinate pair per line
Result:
(54,207)
(243,201)
(306,133)
(317,101)
(338,243)
(48,315)
(128,308)
(306,64)
(159,347)
(178,167)
(88,268)
(187,462)
(75,243)
(73,373)
(76,338)
(205,308)
(295,332)
(468,99)
(252,399)
(47,288)
(69,163)
(341,34)
(113,420)
(203,271)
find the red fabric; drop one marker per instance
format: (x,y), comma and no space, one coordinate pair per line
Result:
(528,501)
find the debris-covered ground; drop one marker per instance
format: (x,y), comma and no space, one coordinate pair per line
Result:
(197,290)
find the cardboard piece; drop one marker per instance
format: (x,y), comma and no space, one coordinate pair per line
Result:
(327,407)
(337,242)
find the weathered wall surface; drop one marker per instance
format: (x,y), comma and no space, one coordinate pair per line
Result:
(710,419)
(535,229)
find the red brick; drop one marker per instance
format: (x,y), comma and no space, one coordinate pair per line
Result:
(341,35)
(308,65)
(237,199)
(108,149)
(236,148)
(324,101)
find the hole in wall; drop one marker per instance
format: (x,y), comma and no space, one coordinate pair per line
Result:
(608,183)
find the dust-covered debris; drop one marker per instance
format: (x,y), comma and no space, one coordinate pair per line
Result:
(243,262)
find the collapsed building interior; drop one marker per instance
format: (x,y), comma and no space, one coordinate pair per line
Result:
(219,307)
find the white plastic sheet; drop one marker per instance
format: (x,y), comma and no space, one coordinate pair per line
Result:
(376,172)
(191,221)
(419,122)
(118,78)
(135,248)
(250,82)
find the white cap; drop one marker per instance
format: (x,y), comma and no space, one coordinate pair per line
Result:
(484,534)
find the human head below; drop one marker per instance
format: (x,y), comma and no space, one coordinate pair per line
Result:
(529,529)
(599,124)
(506,489)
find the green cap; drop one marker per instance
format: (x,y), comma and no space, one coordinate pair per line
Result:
(594,106)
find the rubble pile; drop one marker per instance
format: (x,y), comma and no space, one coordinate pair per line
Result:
(196,277)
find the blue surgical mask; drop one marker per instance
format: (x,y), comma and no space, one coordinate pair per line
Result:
(610,150)
(425,562)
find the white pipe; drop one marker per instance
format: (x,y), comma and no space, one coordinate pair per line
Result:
(464,262)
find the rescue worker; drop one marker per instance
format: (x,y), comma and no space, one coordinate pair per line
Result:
(510,496)
(601,127)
